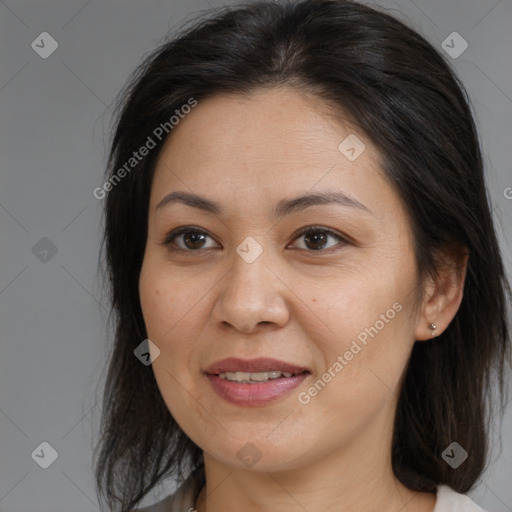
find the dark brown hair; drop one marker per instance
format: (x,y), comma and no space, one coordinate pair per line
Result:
(407,100)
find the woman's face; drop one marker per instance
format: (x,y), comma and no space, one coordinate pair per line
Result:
(335,307)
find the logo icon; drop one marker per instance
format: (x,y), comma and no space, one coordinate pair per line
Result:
(249,455)
(249,249)
(45,455)
(352,147)
(44,250)
(147,352)
(44,45)
(454,455)
(454,45)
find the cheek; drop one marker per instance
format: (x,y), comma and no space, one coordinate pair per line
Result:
(164,298)
(348,303)
(165,304)
(173,316)
(364,317)
(156,304)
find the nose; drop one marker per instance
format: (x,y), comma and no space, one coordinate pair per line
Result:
(252,297)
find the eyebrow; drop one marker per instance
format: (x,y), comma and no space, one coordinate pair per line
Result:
(283,208)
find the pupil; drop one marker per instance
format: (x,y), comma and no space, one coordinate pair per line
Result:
(193,238)
(317,237)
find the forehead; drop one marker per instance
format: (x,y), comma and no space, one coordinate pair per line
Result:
(272,143)
(279,122)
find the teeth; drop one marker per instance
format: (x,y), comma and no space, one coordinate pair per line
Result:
(253,377)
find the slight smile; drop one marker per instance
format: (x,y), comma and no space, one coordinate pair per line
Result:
(254,382)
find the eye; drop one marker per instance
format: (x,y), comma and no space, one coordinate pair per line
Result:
(316,237)
(192,239)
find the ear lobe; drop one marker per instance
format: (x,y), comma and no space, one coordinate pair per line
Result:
(443,294)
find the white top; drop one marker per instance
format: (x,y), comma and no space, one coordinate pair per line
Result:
(184,498)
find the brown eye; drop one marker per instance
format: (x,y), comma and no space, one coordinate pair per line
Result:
(191,239)
(317,239)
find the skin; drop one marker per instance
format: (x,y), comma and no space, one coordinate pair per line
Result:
(293,303)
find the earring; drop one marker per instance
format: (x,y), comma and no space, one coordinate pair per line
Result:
(433,327)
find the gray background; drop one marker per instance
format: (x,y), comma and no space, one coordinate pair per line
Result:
(55,115)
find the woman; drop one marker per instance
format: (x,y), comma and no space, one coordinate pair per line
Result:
(309,297)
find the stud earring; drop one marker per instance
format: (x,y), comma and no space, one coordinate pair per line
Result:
(433,327)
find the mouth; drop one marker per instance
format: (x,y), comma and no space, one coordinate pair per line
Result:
(253,366)
(254,382)
(255,377)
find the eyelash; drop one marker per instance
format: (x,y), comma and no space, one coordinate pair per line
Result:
(307,229)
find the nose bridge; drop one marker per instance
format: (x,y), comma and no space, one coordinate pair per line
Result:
(249,276)
(249,266)
(252,294)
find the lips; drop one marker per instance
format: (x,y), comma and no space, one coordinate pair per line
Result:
(249,393)
(233,364)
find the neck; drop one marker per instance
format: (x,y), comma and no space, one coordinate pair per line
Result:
(354,478)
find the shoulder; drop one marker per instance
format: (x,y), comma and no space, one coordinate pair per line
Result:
(449,500)
(183,499)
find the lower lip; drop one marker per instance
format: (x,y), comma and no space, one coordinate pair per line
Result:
(254,394)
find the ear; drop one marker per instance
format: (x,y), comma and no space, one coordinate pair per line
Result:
(443,293)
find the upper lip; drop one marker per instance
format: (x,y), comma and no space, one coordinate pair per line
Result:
(261,364)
